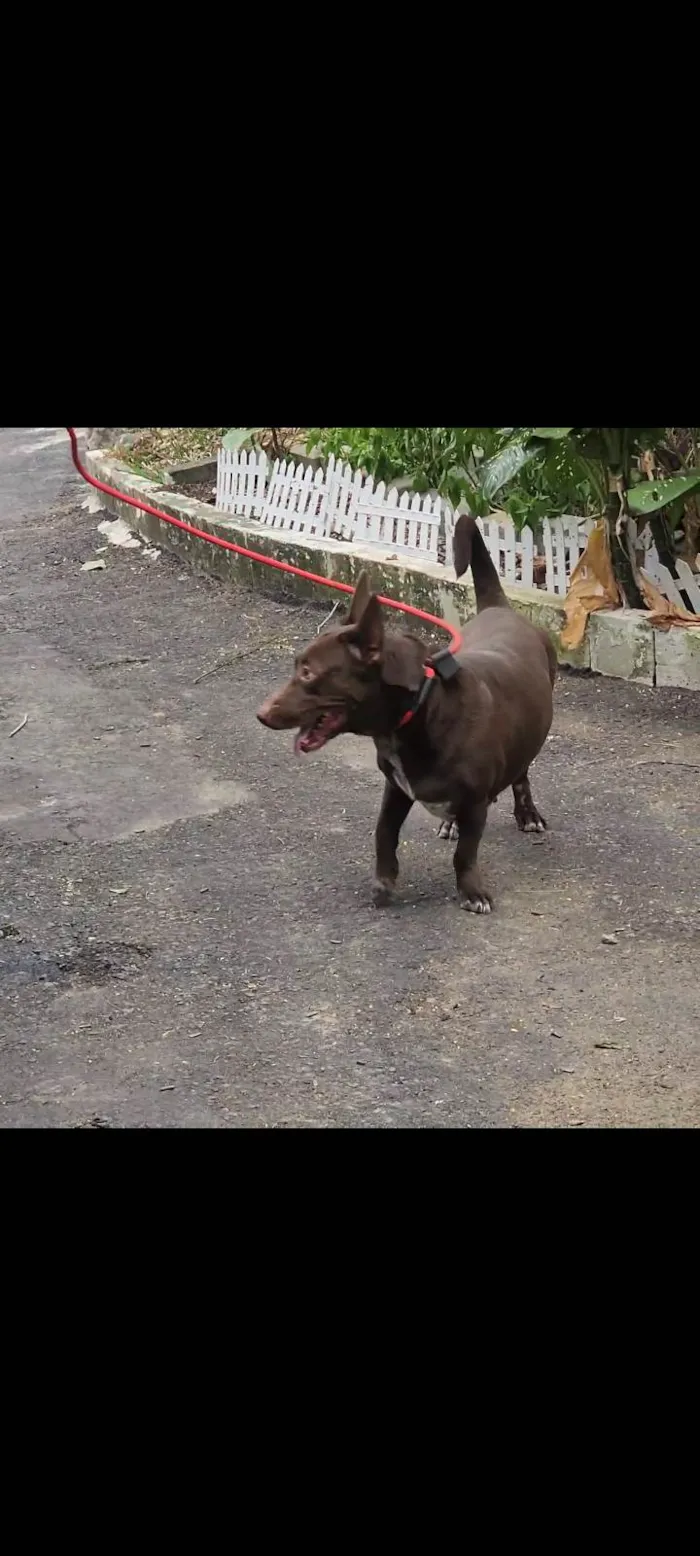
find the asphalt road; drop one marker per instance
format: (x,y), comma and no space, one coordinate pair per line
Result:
(187,931)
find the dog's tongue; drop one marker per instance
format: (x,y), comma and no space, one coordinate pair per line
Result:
(325,729)
(309,740)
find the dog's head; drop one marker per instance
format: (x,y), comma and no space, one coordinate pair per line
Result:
(335,678)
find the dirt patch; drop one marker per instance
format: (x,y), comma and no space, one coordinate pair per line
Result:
(199,491)
(99,964)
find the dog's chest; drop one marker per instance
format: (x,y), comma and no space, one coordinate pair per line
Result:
(389,755)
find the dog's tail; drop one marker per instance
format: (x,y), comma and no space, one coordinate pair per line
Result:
(468,547)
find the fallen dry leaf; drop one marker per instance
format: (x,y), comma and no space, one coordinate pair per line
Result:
(663,613)
(592,588)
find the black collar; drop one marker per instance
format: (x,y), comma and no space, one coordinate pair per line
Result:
(442,664)
(428,679)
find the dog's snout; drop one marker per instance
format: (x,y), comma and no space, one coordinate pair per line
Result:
(266,713)
(274,713)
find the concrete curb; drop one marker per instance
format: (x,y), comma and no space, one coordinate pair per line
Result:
(618,643)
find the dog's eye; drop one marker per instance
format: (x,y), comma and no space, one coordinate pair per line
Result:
(306,674)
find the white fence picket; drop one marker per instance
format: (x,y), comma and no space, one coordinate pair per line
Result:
(258,476)
(690,582)
(318,513)
(555,555)
(222,473)
(389,521)
(527,558)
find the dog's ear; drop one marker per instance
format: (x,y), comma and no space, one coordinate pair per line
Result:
(360,599)
(365,638)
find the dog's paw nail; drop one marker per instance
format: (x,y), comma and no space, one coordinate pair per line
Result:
(476,904)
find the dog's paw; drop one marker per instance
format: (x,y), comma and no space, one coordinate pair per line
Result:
(528,819)
(382,894)
(449,832)
(477,902)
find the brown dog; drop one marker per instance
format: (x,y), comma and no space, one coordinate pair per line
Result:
(453,745)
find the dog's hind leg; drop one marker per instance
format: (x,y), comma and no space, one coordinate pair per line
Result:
(526,814)
(449,831)
(395,808)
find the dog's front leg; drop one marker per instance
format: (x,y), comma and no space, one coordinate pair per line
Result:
(528,817)
(471,821)
(395,808)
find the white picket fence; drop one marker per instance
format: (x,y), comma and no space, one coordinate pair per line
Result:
(340,503)
(241,482)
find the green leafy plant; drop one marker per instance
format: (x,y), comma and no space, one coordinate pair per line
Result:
(441,459)
(612,456)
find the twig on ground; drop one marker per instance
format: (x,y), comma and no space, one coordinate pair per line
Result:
(18,727)
(694,767)
(245,653)
(328,618)
(126,659)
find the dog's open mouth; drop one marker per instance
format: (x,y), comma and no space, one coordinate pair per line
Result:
(327,726)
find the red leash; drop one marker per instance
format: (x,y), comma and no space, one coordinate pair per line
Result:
(267,561)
